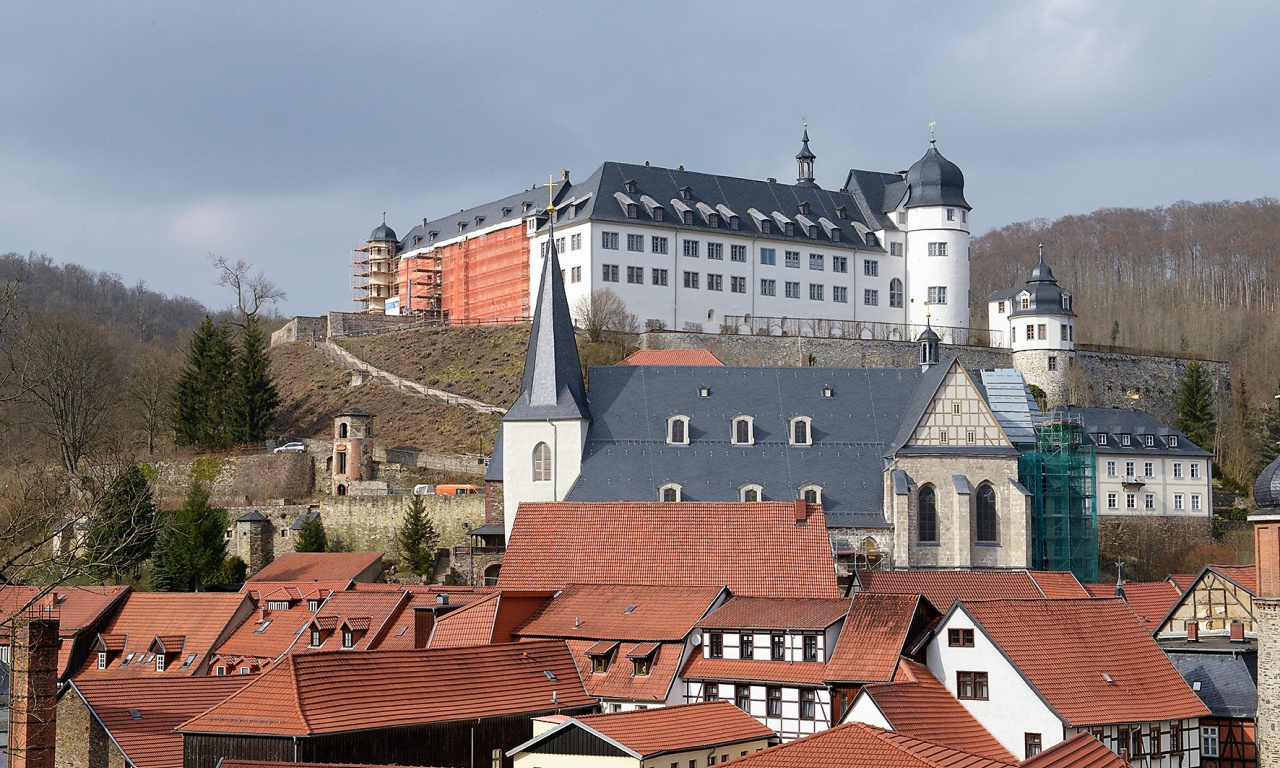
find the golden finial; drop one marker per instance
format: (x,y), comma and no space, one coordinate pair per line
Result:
(928,313)
(551,187)
(804,120)
(932,123)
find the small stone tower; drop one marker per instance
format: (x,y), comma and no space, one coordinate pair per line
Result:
(1037,322)
(928,347)
(1266,612)
(352,449)
(254,542)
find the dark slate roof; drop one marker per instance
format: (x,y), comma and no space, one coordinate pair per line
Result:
(1228,681)
(508,209)
(914,408)
(355,412)
(1266,490)
(1046,294)
(876,194)
(627,458)
(493,472)
(253,517)
(1128,421)
(935,180)
(552,386)
(305,517)
(600,198)
(383,232)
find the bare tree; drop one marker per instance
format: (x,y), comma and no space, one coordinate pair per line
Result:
(76,388)
(254,290)
(603,315)
(148,390)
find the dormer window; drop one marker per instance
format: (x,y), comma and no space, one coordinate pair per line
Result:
(525,206)
(678,430)
(1149,440)
(750,493)
(813,231)
(1173,441)
(658,214)
(686,193)
(159,662)
(744,431)
(506,211)
(462,226)
(766,227)
(1025,302)
(102,659)
(632,210)
(789,228)
(1102,439)
(735,222)
(801,431)
(641,667)
(804,208)
(842,212)
(713,219)
(348,638)
(1124,439)
(629,185)
(316,640)
(669,492)
(872,240)
(479,220)
(432,235)
(811,494)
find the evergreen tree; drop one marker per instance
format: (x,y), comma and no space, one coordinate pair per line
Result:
(192,544)
(201,393)
(253,395)
(417,539)
(311,536)
(1269,442)
(1193,406)
(123,527)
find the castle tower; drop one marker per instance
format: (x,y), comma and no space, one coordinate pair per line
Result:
(352,449)
(1266,612)
(937,232)
(374,270)
(1038,322)
(544,432)
(254,543)
(804,163)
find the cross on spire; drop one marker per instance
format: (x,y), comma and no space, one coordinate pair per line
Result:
(551,190)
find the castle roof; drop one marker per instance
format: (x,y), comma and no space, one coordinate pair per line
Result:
(935,180)
(1115,422)
(383,233)
(1045,296)
(1266,489)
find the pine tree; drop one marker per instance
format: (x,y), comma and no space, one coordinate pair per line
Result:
(417,539)
(192,544)
(311,536)
(253,396)
(1269,442)
(123,527)
(1193,406)
(200,395)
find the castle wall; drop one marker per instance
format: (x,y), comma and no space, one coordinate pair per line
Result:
(301,329)
(233,480)
(733,349)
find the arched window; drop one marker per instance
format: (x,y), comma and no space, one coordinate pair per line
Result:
(801,432)
(342,490)
(750,493)
(895,293)
(541,462)
(928,515)
(744,431)
(342,430)
(669,492)
(811,494)
(988,522)
(678,430)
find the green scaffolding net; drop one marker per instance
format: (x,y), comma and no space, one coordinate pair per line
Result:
(1058,472)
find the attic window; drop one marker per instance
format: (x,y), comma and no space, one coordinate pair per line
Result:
(713,219)
(102,659)
(704,392)
(281,605)
(599,664)
(735,222)
(187,662)
(657,214)
(525,206)
(159,662)
(432,235)
(750,493)
(315,638)
(842,212)
(813,231)
(766,227)
(827,392)
(219,671)
(670,492)
(462,225)
(1173,441)
(1102,439)
(1149,440)
(135,714)
(632,210)
(804,207)
(641,667)
(550,675)
(1195,685)
(1124,439)
(127,659)
(811,494)
(801,431)
(630,610)
(686,193)
(688,218)
(262,627)
(789,228)
(348,639)
(743,431)
(506,211)
(678,430)
(629,185)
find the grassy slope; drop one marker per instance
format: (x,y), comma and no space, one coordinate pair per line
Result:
(313,389)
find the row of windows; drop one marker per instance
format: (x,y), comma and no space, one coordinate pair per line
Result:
(1149,501)
(610,273)
(773,699)
(1148,441)
(810,494)
(1039,331)
(1149,469)
(987,520)
(747,646)
(742,430)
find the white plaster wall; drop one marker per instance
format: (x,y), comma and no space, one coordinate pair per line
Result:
(566,439)
(864,710)
(1013,709)
(1162,483)
(1053,332)
(999,321)
(929,225)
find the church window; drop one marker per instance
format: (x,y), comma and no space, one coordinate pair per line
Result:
(743,430)
(811,494)
(840,294)
(634,243)
(937,249)
(938,294)
(609,241)
(678,430)
(659,244)
(541,463)
(800,431)
(988,523)
(669,492)
(749,493)
(895,293)
(928,515)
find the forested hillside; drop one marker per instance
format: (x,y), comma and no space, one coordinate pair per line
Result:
(1192,277)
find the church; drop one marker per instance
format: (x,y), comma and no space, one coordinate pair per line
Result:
(912,466)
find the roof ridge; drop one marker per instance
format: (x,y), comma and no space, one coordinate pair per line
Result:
(889,737)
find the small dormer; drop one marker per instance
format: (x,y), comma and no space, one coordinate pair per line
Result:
(167,649)
(462,226)
(842,213)
(743,431)
(641,658)
(320,629)
(751,492)
(506,211)
(810,494)
(678,430)
(109,647)
(629,185)
(479,221)
(803,208)
(671,492)
(686,193)
(800,431)
(789,228)
(352,630)
(601,655)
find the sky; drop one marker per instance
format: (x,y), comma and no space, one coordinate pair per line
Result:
(139,137)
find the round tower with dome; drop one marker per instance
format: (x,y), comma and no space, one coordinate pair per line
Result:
(1037,322)
(374,272)
(935,216)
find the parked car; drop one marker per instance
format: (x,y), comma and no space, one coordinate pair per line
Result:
(294,447)
(459,490)
(423,489)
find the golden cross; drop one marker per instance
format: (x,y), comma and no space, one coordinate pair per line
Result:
(931,125)
(551,186)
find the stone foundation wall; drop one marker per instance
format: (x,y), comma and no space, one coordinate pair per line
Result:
(302,329)
(233,480)
(348,323)
(735,349)
(1267,614)
(81,740)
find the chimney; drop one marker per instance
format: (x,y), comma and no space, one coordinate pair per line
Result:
(1237,632)
(442,598)
(1266,614)
(802,511)
(34,689)
(424,619)
(1193,631)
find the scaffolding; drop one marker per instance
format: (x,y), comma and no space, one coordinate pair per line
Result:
(1059,474)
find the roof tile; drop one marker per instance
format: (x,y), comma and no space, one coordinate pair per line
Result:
(316,566)
(1150,600)
(862,744)
(1079,751)
(678,728)
(810,673)
(619,680)
(873,636)
(778,613)
(622,612)
(943,588)
(672,357)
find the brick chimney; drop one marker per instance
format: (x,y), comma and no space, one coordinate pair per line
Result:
(424,619)
(1266,611)
(33,696)
(802,511)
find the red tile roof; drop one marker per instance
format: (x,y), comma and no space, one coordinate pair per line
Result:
(318,693)
(810,673)
(873,636)
(1244,575)
(1091,660)
(203,619)
(293,591)
(227,763)
(672,357)
(917,704)
(777,613)
(491,620)
(864,745)
(619,680)
(251,640)
(80,609)
(753,548)
(163,703)
(370,613)
(942,588)
(1057,584)
(317,566)
(653,732)
(622,612)
(1182,580)
(1151,601)
(1079,751)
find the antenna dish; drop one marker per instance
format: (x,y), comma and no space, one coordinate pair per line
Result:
(696,639)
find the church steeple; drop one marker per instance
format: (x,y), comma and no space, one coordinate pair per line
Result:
(552,387)
(804,162)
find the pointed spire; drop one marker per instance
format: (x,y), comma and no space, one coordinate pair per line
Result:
(552,387)
(804,161)
(1119,582)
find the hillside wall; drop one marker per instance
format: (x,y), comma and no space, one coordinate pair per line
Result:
(234,480)
(301,329)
